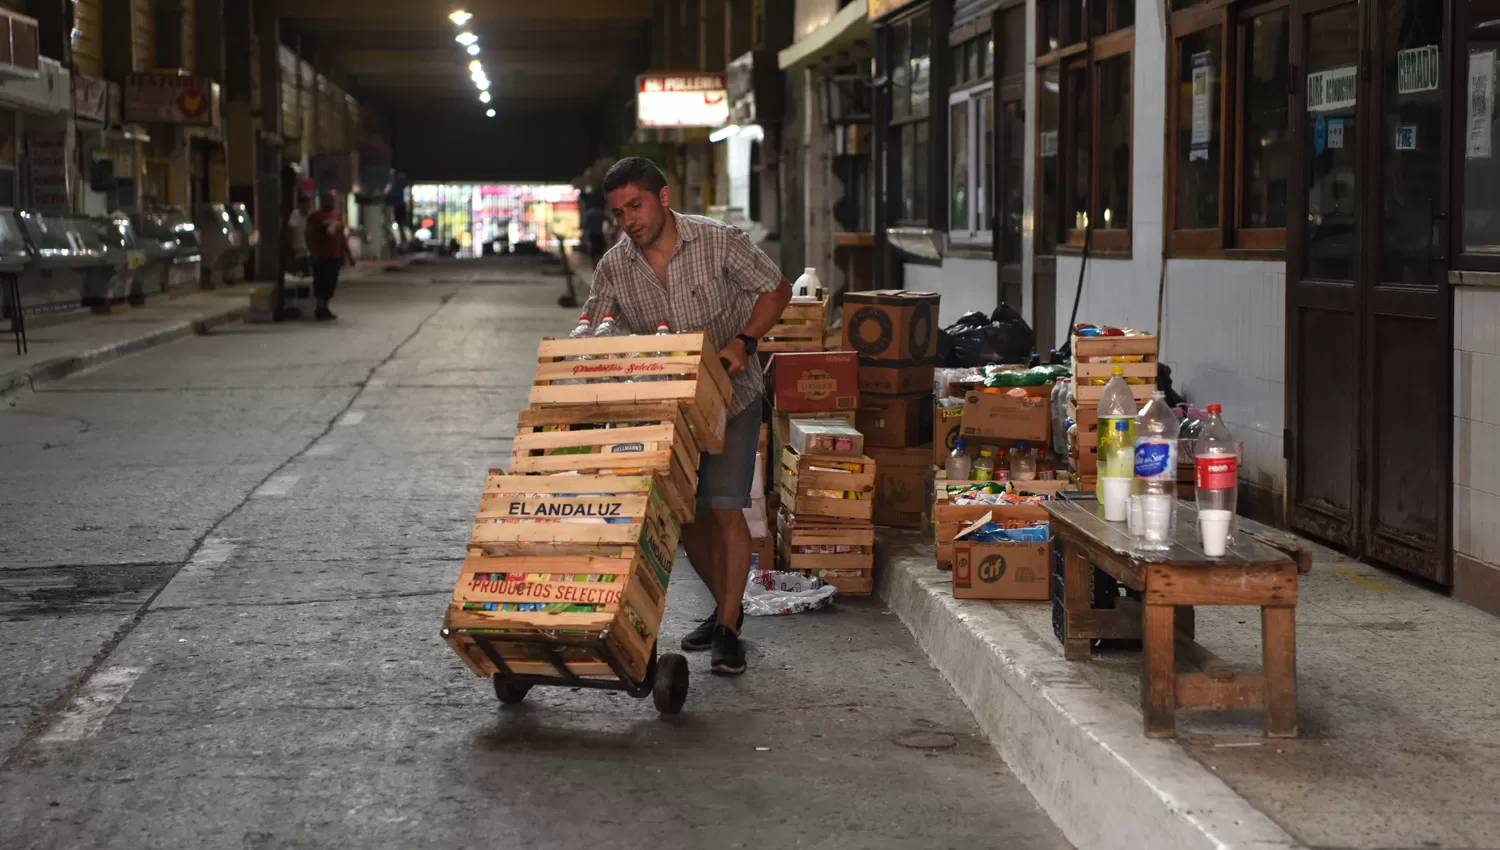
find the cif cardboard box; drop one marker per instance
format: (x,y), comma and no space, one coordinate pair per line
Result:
(892,327)
(1012,413)
(815,381)
(901,482)
(1003,570)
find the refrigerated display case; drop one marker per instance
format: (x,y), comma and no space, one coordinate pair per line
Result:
(65,261)
(221,241)
(249,238)
(173,255)
(126,255)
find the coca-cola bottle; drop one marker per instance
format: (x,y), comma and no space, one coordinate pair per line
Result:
(1216,467)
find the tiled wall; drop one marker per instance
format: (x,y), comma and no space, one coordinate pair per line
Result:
(1476,445)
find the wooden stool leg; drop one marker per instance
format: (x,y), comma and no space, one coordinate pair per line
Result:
(1077,572)
(1159,671)
(1278,626)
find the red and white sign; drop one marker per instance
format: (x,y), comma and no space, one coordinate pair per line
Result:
(682,100)
(90,98)
(171,99)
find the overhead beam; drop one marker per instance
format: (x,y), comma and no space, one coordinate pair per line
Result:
(435,61)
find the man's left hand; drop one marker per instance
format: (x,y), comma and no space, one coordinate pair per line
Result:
(735,353)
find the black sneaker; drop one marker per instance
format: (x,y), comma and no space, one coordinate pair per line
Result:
(702,637)
(728,656)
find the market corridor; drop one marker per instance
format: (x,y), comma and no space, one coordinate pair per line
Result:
(224,566)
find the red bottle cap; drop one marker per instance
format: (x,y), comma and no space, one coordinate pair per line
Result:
(1215,409)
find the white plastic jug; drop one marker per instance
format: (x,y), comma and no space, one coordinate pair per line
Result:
(808,287)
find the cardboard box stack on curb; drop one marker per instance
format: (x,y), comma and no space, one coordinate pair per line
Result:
(579,539)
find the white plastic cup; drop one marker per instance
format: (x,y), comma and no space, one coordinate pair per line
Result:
(1213,532)
(1155,529)
(1116,498)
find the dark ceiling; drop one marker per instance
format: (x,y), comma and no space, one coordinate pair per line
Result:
(553,65)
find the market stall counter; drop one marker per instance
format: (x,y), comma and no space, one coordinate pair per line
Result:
(126,257)
(70,262)
(172,252)
(222,242)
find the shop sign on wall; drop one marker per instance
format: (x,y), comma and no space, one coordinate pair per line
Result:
(682,100)
(171,99)
(47,161)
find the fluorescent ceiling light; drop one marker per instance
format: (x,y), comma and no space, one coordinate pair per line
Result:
(460,17)
(723,133)
(473,50)
(475,66)
(489,113)
(466,38)
(484,97)
(482,85)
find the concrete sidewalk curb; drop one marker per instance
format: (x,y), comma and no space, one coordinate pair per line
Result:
(1081,753)
(58,368)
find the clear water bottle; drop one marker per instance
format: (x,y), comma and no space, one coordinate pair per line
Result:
(1060,416)
(1116,404)
(1022,463)
(958,464)
(584,326)
(1216,467)
(1153,498)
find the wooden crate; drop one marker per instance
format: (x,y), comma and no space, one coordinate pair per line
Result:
(797,479)
(694,378)
(780,430)
(660,430)
(1085,347)
(1089,395)
(1110,346)
(522,537)
(800,328)
(852,574)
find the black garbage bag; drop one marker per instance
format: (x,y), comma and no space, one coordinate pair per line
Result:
(977,340)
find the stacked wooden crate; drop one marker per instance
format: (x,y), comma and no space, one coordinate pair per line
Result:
(800,328)
(1093,364)
(825,525)
(571,553)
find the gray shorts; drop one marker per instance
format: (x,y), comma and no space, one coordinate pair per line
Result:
(725,479)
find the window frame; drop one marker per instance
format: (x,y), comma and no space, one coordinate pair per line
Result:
(1091,53)
(895,127)
(977,232)
(1229,238)
(1462,21)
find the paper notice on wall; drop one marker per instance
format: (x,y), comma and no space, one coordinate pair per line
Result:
(1334,89)
(1203,130)
(1335,133)
(1481,105)
(1049,143)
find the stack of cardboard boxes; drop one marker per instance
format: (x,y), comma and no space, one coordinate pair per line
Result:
(894,333)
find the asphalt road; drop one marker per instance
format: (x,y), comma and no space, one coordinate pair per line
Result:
(222,570)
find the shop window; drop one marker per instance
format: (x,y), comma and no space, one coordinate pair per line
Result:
(971,142)
(1477,144)
(1229,153)
(910,72)
(1084,144)
(1010,113)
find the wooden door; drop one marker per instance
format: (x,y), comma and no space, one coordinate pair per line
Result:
(1369,385)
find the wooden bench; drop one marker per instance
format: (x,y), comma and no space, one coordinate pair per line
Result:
(1261,568)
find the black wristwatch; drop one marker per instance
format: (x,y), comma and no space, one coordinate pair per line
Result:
(751,343)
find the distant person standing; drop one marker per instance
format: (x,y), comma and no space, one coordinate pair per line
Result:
(296,228)
(595,219)
(328,243)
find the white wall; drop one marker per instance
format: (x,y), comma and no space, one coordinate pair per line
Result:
(1476,423)
(965,285)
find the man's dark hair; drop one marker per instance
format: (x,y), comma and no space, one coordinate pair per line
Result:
(638,170)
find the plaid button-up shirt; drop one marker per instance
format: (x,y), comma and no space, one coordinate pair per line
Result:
(713,281)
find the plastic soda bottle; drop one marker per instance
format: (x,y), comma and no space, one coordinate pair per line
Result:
(1153,497)
(958,464)
(1116,404)
(1216,467)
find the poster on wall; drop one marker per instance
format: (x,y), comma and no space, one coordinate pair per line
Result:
(1202,119)
(1481,105)
(47,161)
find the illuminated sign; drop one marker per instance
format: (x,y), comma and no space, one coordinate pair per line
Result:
(682,100)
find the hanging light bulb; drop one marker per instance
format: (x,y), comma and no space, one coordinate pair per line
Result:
(489,113)
(460,17)
(473,50)
(466,38)
(475,67)
(484,97)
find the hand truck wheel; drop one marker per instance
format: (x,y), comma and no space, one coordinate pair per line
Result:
(670,689)
(509,694)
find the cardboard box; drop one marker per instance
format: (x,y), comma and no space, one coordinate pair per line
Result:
(1000,415)
(815,381)
(895,380)
(824,436)
(947,425)
(895,421)
(901,486)
(1003,570)
(892,327)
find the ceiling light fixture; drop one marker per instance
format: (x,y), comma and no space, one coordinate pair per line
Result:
(489,113)
(475,66)
(482,85)
(466,38)
(460,17)
(484,97)
(473,50)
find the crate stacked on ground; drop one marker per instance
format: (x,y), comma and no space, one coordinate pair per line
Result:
(1094,359)
(800,328)
(572,551)
(894,332)
(825,526)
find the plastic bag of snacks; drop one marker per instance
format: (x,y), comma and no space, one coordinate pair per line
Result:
(772,592)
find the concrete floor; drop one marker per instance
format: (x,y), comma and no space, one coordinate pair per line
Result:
(223,568)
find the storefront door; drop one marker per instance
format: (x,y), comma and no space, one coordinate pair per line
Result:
(1369,328)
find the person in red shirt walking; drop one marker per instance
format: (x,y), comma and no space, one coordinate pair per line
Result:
(328,244)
